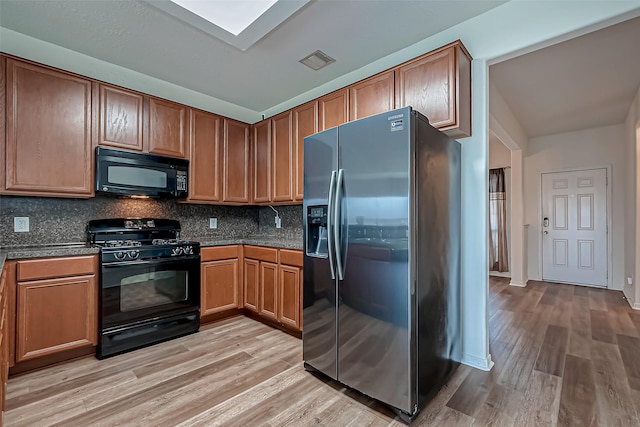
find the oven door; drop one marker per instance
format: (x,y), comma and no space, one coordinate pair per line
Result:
(136,291)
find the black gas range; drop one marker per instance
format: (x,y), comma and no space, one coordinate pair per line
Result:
(149,283)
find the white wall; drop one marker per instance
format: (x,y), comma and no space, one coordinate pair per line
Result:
(599,147)
(632,204)
(499,154)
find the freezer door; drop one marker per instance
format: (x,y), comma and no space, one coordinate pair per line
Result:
(374,296)
(319,288)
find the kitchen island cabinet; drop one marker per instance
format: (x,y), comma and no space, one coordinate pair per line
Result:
(56,307)
(49,134)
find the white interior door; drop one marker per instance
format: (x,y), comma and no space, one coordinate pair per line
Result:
(574,227)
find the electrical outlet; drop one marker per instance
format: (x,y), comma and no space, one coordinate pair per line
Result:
(278,222)
(629,280)
(213,222)
(21,224)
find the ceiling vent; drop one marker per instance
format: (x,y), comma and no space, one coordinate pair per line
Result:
(317,60)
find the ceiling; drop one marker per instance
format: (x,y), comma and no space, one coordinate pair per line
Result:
(138,36)
(586,82)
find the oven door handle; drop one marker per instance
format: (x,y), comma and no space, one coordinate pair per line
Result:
(150,262)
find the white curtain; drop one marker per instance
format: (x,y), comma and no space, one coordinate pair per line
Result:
(498,252)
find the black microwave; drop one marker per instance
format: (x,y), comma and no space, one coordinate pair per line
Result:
(121,172)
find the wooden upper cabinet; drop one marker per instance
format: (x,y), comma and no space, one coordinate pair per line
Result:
(305,123)
(205,165)
(49,148)
(371,96)
(168,128)
(262,162)
(333,109)
(120,118)
(283,160)
(438,85)
(236,164)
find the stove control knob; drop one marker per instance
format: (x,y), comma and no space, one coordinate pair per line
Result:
(120,255)
(134,254)
(187,250)
(176,251)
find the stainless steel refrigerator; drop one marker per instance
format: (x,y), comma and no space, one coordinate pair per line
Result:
(381,302)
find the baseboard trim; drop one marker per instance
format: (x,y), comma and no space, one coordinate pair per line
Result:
(519,284)
(634,304)
(478,362)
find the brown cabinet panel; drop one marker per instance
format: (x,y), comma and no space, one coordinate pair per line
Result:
(168,128)
(251,279)
(120,118)
(268,290)
(204,165)
(47,152)
(438,86)
(216,253)
(283,161)
(46,268)
(372,96)
(305,123)
(291,257)
(237,174)
(333,109)
(219,286)
(289,307)
(261,253)
(55,315)
(262,162)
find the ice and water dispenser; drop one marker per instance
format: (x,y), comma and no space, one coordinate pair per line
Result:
(317,231)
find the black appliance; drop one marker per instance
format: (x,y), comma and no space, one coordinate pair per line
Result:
(149,283)
(121,172)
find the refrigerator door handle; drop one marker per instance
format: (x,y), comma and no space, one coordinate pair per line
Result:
(330,207)
(336,227)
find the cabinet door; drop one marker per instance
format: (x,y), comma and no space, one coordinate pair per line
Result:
(268,293)
(55,315)
(371,96)
(219,286)
(333,109)
(439,86)
(167,128)
(120,118)
(204,166)
(305,123)
(251,279)
(237,174)
(289,302)
(262,162)
(282,166)
(49,147)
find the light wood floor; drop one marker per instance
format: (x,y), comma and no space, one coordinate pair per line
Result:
(564,355)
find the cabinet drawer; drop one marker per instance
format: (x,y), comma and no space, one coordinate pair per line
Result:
(47,268)
(261,254)
(288,257)
(219,252)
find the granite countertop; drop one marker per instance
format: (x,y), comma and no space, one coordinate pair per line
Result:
(59,250)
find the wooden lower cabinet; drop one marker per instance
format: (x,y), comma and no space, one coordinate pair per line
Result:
(219,286)
(251,280)
(268,291)
(55,315)
(290,285)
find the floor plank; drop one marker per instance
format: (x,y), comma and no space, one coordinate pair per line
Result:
(564,355)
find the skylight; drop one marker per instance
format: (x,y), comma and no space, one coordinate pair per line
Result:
(233,16)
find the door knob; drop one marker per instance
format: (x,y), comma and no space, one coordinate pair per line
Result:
(546,232)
